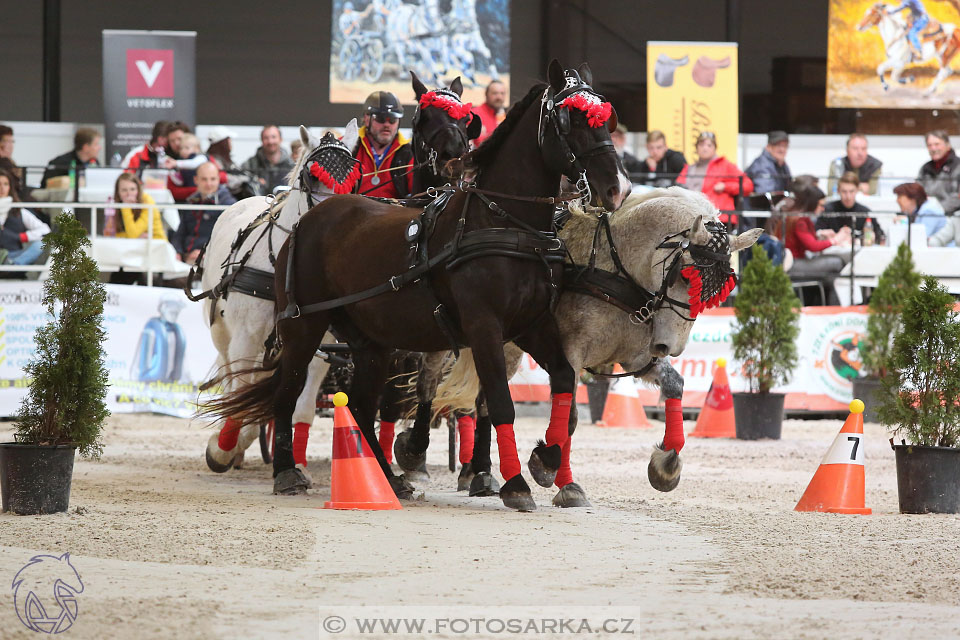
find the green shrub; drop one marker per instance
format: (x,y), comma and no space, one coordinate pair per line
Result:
(897,283)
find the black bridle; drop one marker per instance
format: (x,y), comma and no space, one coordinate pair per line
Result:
(424,151)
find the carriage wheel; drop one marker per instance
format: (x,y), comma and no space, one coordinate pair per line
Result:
(351,56)
(373,61)
(267,442)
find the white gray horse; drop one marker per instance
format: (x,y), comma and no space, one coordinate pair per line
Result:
(240,324)
(596,333)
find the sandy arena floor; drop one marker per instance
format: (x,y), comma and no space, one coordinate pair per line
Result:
(167,549)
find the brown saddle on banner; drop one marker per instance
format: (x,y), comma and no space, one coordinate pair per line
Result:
(705,70)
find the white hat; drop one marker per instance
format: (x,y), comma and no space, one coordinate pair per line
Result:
(219,133)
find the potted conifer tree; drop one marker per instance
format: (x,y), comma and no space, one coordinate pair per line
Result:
(921,400)
(764,342)
(64,407)
(897,283)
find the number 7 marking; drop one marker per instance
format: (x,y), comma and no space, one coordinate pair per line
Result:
(856,443)
(360,441)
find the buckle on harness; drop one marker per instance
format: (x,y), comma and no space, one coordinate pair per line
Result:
(393,283)
(640,316)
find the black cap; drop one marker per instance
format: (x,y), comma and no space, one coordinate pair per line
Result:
(383,102)
(776,137)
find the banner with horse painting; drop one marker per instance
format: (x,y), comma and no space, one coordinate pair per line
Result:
(896,55)
(692,87)
(375,44)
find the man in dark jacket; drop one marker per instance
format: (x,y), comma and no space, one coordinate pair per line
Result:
(271,163)
(860,162)
(385,155)
(662,165)
(86,148)
(940,177)
(195,228)
(769,171)
(848,186)
(630,162)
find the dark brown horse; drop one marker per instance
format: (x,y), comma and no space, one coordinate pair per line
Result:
(497,282)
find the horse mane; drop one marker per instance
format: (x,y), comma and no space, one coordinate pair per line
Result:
(485,153)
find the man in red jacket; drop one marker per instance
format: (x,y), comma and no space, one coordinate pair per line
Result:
(386,157)
(492,111)
(146,157)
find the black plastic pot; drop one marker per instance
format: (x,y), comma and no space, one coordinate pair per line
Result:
(928,478)
(35,479)
(758,415)
(597,396)
(868,390)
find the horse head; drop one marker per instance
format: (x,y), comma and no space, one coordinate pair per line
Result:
(872,17)
(443,126)
(673,242)
(327,165)
(574,136)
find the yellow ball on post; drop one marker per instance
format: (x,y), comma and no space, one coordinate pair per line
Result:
(340,399)
(721,362)
(856,406)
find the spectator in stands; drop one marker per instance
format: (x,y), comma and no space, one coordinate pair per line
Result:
(801,239)
(221,152)
(148,156)
(493,110)
(20,238)
(917,207)
(662,165)
(864,166)
(195,226)
(381,148)
(630,163)
(7,164)
(271,163)
(86,148)
(296,148)
(849,186)
(186,167)
(175,133)
(940,177)
(133,223)
(769,171)
(718,178)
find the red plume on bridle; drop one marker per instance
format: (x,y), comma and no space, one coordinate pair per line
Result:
(697,303)
(597,111)
(346,186)
(455,108)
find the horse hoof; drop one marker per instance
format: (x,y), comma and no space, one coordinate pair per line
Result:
(238,461)
(306,474)
(401,488)
(417,475)
(571,495)
(290,482)
(516,494)
(484,484)
(664,468)
(217,467)
(465,478)
(407,459)
(544,463)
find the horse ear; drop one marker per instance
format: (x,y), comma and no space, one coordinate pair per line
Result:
(698,232)
(744,240)
(585,73)
(555,75)
(613,121)
(474,127)
(418,87)
(457,86)
(305,137)
(351,134)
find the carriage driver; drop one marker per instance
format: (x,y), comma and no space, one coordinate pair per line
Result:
(386,157)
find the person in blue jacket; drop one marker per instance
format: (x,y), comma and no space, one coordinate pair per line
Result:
(160,350)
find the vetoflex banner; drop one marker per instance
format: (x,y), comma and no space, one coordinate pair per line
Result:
(147,76)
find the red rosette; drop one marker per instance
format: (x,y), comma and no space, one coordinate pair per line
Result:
(597,112)
(455,108)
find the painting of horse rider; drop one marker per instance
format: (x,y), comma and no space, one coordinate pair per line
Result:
(895,55)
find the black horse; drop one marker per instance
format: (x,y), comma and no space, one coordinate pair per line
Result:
(489,274)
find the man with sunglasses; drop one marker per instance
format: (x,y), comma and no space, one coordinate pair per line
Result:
(385,155)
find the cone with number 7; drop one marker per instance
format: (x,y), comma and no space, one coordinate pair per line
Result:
(838,485)
(356,480)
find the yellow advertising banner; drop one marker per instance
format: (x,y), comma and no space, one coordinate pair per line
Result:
(692,87)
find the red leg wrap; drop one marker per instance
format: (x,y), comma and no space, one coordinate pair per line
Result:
(564,474)
(466,425)
(386,439)
(301,433)
(673,434)
(507,446)
(227,441)
(559,429)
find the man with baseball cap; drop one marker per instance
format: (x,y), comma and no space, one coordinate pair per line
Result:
(769,171)
(386,157)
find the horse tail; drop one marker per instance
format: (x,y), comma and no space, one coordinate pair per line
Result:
(459,390)
(250,403)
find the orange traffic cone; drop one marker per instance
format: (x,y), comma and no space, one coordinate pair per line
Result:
(623,407)
(716,419)
(356,480)
(837,486)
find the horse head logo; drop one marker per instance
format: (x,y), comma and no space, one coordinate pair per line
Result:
(45,593)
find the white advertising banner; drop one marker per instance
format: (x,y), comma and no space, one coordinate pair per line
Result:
(827,364)
(158,347)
